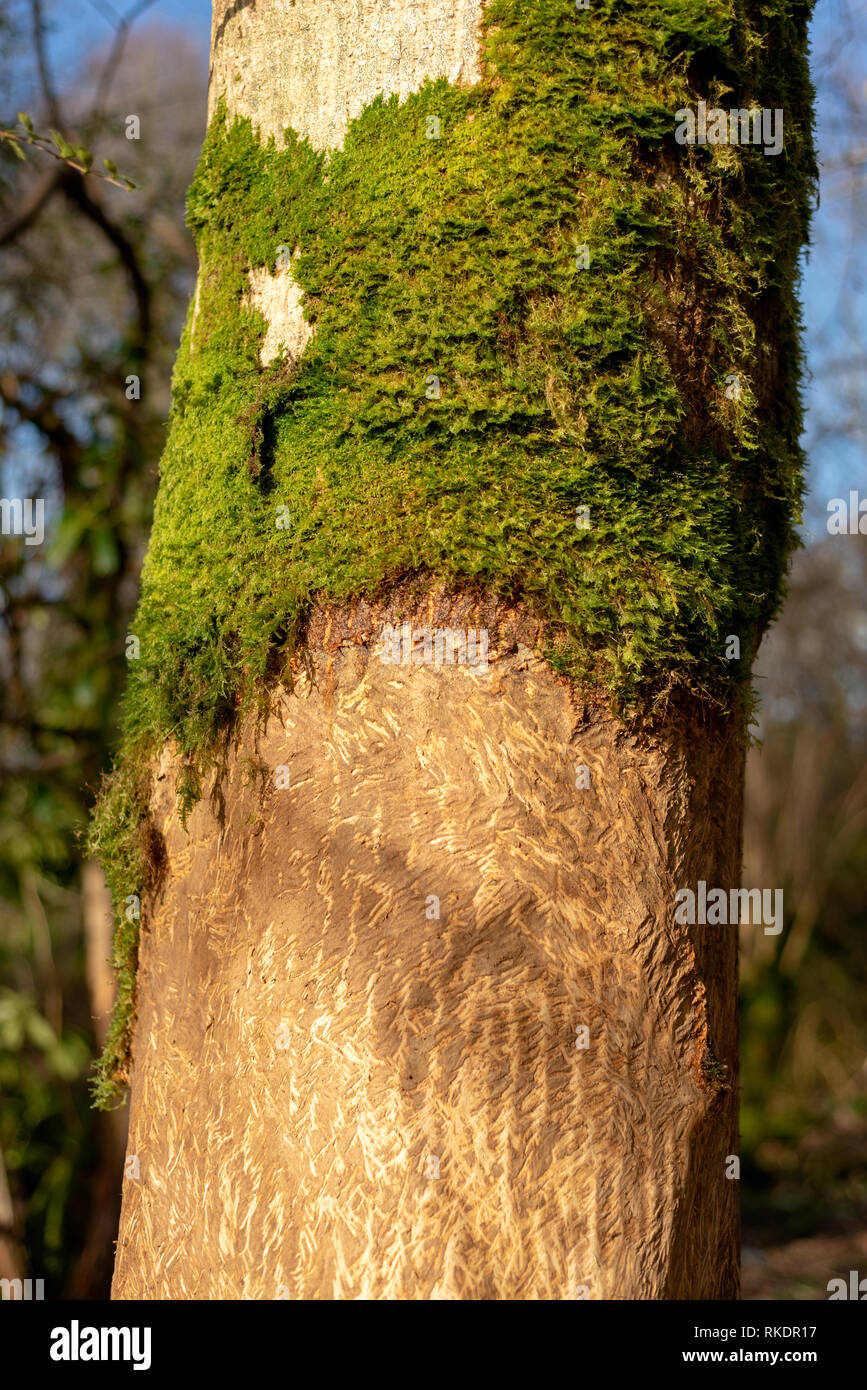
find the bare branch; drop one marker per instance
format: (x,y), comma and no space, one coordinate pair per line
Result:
(45,78)
(123,24)
(107,11)
(43,416)
(74,187)
(31,207)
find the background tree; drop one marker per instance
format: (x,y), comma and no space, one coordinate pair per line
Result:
(803,1123)
(803,1114)
(91,287)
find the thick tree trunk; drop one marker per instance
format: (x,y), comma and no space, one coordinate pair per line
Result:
(338,1093)
(415,1017)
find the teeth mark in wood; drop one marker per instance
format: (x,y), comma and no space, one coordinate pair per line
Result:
(452,1034)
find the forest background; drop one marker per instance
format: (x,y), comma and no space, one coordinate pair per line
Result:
(94,286)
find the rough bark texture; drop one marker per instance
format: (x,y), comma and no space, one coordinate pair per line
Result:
(311,1046)
(314,66)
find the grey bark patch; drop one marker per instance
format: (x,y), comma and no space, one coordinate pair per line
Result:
(315,65)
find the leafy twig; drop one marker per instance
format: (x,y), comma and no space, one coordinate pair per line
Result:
(55,144)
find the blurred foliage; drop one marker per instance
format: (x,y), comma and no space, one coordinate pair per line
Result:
(94,283)
(804,1031)
(804,1024)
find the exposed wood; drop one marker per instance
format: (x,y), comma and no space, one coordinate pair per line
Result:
(314,67)
(311,1045)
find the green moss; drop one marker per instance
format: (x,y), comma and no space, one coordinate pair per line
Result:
(119,839)
(560,387)
(714,1073)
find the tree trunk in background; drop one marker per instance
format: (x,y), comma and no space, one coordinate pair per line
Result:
(417,1021)
(12,1265)
(93,1268)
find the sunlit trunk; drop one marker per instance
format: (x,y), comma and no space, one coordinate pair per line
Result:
(416,1013)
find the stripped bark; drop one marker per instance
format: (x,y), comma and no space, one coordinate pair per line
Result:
(312,1047)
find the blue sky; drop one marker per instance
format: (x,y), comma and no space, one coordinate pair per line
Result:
(83,24)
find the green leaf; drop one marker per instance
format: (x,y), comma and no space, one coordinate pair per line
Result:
(110,166)
(16,149)
(62,144)
(26,121)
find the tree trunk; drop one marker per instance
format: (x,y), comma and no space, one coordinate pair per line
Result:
(338,1093)
(415,1015)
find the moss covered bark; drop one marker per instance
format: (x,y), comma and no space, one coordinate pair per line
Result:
(567,392)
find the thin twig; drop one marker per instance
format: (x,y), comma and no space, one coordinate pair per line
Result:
(125,184)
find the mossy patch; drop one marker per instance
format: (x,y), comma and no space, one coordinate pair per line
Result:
(560,388)
(714,1073)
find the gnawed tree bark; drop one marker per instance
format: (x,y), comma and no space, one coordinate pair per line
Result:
(414,1014)
(360,1070)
